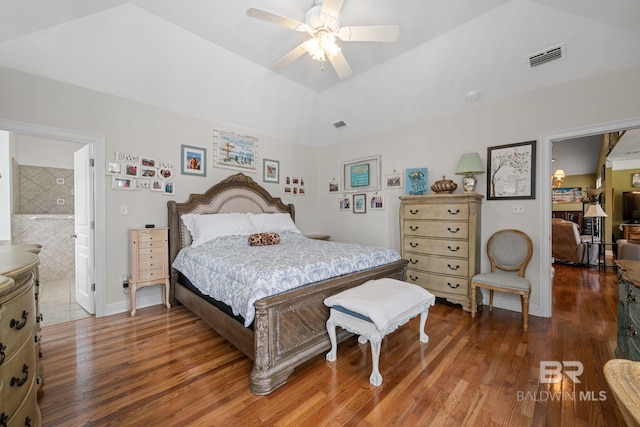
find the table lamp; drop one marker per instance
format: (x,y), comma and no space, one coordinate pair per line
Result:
(469,165)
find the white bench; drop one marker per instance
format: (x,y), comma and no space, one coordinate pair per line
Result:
(374,309)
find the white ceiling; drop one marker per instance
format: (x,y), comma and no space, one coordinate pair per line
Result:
(206,58)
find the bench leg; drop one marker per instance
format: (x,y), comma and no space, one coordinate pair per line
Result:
(331,330)
(423,320)
(375,378)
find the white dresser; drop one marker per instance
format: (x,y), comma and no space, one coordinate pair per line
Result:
(440,236)
(20,368)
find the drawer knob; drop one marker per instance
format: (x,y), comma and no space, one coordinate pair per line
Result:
(413,261)
(453,268)
(413,245)
(454,250)
(2,354)
(4,419)
(413,278)
(631,332)
(453,231)
(412,212)
(18,324)
(413,228)
(452,212)
(453,287)
(20,381)
(632,298)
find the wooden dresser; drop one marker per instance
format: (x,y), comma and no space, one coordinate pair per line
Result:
(440,236)
(20,368)
(149,261)
(631,231)
(628,310)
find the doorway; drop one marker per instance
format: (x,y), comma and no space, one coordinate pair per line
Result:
(547,141)
(97,144)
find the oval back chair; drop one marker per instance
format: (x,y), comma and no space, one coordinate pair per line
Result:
(508,251)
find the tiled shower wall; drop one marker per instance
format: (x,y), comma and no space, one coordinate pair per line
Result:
(41,217)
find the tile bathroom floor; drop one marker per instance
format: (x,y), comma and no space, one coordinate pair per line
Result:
(58,302)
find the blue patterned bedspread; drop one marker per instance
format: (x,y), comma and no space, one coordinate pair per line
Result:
(231,271)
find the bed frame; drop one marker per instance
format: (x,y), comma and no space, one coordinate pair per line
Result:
(289,328)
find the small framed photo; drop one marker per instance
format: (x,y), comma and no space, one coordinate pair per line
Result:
(131,169)
(345,203)
(169,188)
(359,203)
(334,186)
(114,168)
(147,172)
(376,202)
(635,179)
(148,162)
(165,173)
(194,161)
(142,184)
(157,185)
(393,180)
(122,183)
(271,171)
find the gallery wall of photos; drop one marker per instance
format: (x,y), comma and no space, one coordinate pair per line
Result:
(134,172)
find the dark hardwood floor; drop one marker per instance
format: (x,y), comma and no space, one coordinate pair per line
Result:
(166,367)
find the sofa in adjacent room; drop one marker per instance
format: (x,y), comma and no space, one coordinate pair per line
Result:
(568,246)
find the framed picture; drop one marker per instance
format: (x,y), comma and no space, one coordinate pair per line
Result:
(122,183)
(142,184)
(169,188)
(131,169)
(566,195)
(193,160)
(235,151)
(359,203)
(165,173)
(157,185)
(635,179)
(114,168)
(361,174)
(147,172)
(271,171)
(511,171)
(416,179)
(393,180)
(148,162)
(345,203)
(376,202)
(334,186)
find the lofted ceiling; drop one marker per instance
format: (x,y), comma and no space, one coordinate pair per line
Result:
(200,57)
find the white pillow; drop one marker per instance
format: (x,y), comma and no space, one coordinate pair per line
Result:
(273,223)
(209,226)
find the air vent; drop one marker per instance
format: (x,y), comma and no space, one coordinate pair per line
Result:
(339,124)
(547,55)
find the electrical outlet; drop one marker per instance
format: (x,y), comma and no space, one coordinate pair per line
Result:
(125,284)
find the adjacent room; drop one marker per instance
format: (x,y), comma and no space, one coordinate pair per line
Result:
(139,138)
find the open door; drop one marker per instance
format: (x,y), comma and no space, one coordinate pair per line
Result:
(84,228)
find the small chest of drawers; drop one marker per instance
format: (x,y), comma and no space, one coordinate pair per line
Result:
(149,261)
(440,236)
(628,310)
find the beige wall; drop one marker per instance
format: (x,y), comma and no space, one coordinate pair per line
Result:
(436,143)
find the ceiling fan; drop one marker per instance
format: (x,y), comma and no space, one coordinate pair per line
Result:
(322,23)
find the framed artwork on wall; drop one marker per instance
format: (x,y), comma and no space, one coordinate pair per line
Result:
(393,180)
(511,171)
(271,171)
(359,203)
(193,160)
(361,174)
(416,179)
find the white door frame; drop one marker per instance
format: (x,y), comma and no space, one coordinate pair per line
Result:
(547,140)
(98,142)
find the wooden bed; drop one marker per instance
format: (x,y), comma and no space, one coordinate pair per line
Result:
(289,328)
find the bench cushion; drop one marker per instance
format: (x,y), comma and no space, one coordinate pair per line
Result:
(383,300)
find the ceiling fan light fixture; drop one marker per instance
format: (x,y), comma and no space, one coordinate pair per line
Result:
(321,46)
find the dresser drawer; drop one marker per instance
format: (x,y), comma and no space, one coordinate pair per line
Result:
(151,244)
(449,248)
(18,373)
(439,284)
(434,264)
(28,409)
(146,254)
(151,264)
(18,320)
(152,274)
(151,235)
(459,212)
(446,229)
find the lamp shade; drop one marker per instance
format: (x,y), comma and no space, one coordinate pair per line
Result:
(559,174)
(470,163)
(595,211)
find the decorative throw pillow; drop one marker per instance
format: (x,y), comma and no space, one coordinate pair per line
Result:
(264,239)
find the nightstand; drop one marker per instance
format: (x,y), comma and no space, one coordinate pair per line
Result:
(318,236)
(149,261)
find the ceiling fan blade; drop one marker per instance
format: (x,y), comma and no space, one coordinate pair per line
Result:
(294,54)
(371,33)
(332,7)
(341,65)
(276,19)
